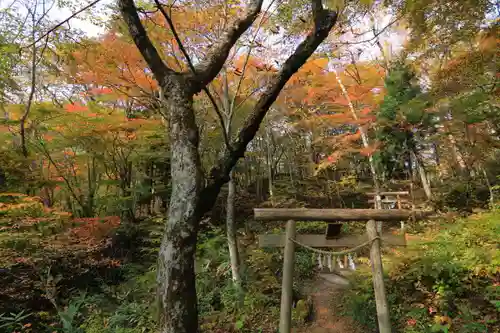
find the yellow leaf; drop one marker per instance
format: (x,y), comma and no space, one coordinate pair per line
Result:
(335,4)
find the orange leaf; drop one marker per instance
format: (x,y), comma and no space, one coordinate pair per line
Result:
(365,111)
(75,107)
(334,157)
(352,137)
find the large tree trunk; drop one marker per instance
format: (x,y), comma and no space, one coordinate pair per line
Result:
(176,276)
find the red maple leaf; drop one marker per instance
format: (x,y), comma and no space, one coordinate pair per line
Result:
(75,107)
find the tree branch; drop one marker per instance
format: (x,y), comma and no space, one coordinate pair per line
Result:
(219,116)
(47,33)
(247,58)
(219,174)
(176,35)
(375,35)
(208,69)
(29,104)
(193,70)
(142,41)
(68,184)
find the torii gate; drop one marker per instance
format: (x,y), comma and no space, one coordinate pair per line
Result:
(289,239)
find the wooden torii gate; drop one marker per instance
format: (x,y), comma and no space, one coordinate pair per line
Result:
(289,239)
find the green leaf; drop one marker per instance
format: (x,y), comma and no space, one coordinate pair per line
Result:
(239,324)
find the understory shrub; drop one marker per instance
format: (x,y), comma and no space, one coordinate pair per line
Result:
(253,307)
(462,196)
(448,283)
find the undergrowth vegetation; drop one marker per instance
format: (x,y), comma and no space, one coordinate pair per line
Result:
(448,282)
(73,277)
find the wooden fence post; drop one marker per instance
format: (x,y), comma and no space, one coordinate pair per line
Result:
(287,283)
(384,323)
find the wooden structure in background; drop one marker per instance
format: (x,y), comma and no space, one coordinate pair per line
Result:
(393,200)
(398,197)
(288,240)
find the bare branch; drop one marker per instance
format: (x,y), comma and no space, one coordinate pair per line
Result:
(247,58)
(375,35)
(219,116)
(24,118)
(142,41)
(193,71)
(45,12)
(176,35)
(68,184)
(47,33)
(208,69)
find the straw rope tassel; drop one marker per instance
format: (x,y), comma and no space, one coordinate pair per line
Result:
(341,265)
(352,266)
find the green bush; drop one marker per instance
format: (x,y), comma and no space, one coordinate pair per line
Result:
(224,306)
(360,302)
(126,308)
(462,196)
(448,283)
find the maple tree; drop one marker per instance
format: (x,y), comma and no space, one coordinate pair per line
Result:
(317,91)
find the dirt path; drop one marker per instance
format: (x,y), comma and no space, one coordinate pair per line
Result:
(324,295)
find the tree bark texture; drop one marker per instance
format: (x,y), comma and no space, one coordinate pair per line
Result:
(176,276)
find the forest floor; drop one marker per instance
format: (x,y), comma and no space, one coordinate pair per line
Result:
(324,294)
